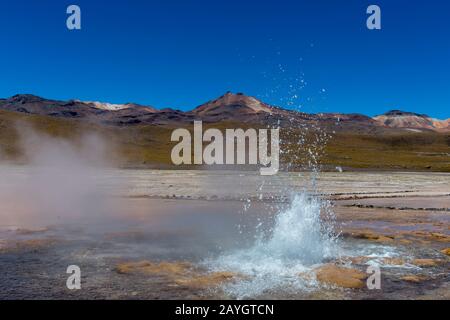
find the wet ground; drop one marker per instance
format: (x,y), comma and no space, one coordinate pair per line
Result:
(168,236)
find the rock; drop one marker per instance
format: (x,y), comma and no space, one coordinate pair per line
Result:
(209,280)
(425,263)
(394,261)
(432,236)
(148,267)
(32,245)
(367,235)
(25,232)
(446,251)
(178,273)
(354,260)
(340,276)
(414,278)
(440,237)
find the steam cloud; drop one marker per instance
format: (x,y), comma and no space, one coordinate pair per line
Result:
(61,180)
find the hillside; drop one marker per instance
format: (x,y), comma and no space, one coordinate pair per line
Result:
(149,146)
(412,121)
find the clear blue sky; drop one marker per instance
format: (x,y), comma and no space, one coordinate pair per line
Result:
(315,54)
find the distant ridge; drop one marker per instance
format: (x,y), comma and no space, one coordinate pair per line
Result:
(228,107)
(409,120)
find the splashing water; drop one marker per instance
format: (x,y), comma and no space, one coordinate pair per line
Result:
(302,237)
(300,233)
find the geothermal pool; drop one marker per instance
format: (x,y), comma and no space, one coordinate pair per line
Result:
(160,235)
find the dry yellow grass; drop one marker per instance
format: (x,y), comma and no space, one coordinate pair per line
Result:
(150,146)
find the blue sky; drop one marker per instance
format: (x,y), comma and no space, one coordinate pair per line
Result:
(314,55)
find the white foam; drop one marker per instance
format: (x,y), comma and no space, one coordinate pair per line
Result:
(300,239)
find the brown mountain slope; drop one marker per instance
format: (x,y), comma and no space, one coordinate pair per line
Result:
(413,121)
(245,109)
(31,104)
(233,106)
(229,107)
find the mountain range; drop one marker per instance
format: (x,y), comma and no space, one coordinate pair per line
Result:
(228,107)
